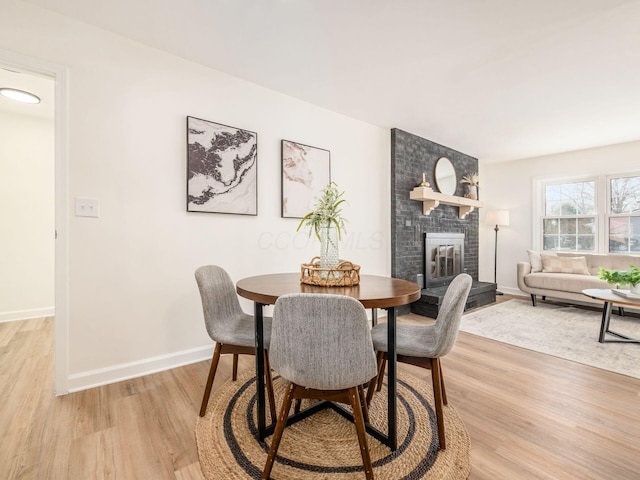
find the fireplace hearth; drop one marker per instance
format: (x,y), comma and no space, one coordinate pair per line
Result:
(481,293)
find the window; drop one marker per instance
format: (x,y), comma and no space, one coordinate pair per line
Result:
(624,214)
(570,220)
(594,214)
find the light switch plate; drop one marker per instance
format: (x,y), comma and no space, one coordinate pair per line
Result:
(87,207)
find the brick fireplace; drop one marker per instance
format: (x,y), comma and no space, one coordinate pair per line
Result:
(411,156)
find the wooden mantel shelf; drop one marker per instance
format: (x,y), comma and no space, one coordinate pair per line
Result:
(431,200)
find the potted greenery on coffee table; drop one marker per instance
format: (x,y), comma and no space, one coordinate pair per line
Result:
(629,277)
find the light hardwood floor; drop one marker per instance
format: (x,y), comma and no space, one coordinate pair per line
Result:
(529,415)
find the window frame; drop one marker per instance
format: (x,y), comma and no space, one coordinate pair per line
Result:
(602,214)
(542,216)
(608,215)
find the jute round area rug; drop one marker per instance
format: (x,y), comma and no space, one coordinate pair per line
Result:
(325,446)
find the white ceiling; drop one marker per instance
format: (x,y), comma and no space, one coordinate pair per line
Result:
(43,87)
(496,79)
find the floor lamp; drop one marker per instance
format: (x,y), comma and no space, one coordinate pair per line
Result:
(497,218)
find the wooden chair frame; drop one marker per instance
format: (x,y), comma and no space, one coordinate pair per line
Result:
(439,391)
(236,350)
(353,396)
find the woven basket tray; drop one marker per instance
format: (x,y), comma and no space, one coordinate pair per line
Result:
(345,274)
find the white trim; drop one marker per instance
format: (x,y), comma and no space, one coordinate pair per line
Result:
(537,209)
(27,314)
(602,237)
(512,291)
(139,368)
(61,324)
(62,235)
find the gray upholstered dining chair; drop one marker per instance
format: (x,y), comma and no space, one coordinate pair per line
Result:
(321,345)
(231,328)
(423,345)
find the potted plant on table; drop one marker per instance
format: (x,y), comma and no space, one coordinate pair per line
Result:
(327,223)
(629,277)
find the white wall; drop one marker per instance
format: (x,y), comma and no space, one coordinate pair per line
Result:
(26,217)
(132,294)
(510,186)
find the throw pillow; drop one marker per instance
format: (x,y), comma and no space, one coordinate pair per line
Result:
(554,264)
(535,260)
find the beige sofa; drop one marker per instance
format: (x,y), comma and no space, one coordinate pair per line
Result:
(568,286)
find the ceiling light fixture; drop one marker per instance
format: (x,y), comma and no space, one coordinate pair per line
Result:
(19,95)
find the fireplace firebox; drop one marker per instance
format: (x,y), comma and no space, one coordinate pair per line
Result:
(443,258)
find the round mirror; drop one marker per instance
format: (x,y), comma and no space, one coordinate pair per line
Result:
(446,180)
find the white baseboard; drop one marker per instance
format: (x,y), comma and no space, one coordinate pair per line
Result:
(125,371)
(512,291)
(27,314)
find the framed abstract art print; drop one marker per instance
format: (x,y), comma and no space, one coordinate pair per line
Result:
(306,171)
(222,172)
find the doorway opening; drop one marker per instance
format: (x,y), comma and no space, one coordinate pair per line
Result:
(33,166)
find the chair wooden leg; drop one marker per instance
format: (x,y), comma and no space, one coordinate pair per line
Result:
(212,374)
(383,366)
(374,381)
(363,403)
(444,391)
(370,390)
(358,419)
(277,434)
(234,375)
(296,408)
(269,384)
(437,394)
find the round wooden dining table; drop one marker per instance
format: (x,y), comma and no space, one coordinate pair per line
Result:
(373,292)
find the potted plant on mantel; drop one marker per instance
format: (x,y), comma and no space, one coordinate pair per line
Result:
(629,277)
(472,180)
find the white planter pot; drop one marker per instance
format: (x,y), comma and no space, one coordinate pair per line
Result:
(472,192)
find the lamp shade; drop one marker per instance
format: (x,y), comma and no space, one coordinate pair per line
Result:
(497,217)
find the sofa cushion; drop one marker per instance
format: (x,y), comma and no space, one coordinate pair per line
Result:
(564,282)
(535,260)
(609,261)
(574,265)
